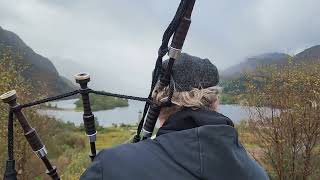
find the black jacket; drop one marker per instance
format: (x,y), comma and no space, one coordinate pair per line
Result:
(191,145)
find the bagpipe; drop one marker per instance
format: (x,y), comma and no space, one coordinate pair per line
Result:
(177,30)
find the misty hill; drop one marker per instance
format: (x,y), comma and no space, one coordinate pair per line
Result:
(68,67)
(250,64)
(38,69)
(310,54)
(233,79)
(100,77)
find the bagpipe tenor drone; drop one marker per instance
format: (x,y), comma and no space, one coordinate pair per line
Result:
(177,31)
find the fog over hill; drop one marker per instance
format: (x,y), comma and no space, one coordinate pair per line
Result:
(38,69)
(250,64)
(105,80)
(101,77)
(310,54)
(120,39)
(68,68)
(42,70)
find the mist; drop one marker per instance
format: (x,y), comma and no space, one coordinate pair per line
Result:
(117,41)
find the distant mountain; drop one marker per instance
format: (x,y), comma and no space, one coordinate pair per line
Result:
(310,54)
(233,81)
(251,64)
(100,78)
(39,70)
(68,67)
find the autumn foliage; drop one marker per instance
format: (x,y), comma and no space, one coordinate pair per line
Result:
(285,108)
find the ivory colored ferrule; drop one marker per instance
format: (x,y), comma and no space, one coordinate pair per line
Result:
(8,94)
(41,152)
(82,76)
(145,132)
(92,137)
(174,53)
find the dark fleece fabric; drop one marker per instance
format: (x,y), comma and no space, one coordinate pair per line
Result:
(191,145)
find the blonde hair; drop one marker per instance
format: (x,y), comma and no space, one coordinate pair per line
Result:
(207,98)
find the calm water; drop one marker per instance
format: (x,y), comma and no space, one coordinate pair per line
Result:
(127,115)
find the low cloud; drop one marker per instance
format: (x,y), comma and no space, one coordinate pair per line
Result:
(120,38)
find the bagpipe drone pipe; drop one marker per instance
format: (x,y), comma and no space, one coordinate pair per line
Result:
(178,28)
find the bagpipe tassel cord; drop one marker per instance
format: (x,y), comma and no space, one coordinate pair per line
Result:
(29,132)
(10,172)
(174,53)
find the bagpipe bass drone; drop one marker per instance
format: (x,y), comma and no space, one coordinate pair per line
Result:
(177,30)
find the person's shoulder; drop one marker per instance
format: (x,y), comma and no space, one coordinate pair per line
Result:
(112,162)
(127,151)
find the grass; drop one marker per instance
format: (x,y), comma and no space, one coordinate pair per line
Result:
(248,145)
(109,137)
(78,159)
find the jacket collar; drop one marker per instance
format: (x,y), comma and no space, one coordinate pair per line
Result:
(188,118)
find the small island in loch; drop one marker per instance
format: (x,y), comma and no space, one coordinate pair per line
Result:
(99,103)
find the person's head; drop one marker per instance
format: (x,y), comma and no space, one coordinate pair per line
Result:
(194,81)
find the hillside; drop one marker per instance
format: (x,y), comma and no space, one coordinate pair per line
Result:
(233,79)
(37,69)
(310,54)
(250,64)
(68,68)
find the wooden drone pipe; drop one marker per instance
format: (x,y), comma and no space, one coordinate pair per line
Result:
(30,133)
(88,117)
(174,54)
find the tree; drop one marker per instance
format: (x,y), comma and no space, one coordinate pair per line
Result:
(285,107)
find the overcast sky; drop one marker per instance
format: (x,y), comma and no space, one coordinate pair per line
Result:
(120,38)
